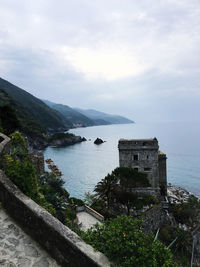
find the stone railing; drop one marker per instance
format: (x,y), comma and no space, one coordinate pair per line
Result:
(4,143)
(61,243)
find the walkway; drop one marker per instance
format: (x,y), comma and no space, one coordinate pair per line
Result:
(86,220)
(17,249)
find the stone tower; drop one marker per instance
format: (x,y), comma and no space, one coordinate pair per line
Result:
(143,155)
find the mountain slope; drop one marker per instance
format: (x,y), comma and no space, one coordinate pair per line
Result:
(99,117)
(32,111)
(74,117)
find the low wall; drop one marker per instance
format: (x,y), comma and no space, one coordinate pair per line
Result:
(94,214)
(4,143)
(146,191)
(62,244)
(89,210)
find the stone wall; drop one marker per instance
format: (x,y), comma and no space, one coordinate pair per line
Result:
(162,164)
(38,161)
(140,154)
(4,143)
(146,191)
(144,156)
(62,244)
(154,218)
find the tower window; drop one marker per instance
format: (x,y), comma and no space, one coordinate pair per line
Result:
(147,169)
(135,157)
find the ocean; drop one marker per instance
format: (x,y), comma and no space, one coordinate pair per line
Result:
(83,165)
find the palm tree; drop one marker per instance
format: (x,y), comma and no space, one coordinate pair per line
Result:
(105,188)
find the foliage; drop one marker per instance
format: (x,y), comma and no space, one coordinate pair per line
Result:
(8,120)
(22,173)
(47,190)
(129,177)
(116,188)
(105,188)
(187,213)
(52,188)
(77,201)
(89,198)
(123,241)
(19,168)
(183,242)
(60,136)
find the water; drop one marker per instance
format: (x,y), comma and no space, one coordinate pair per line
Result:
(85,164)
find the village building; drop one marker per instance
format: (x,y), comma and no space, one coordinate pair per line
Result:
(144,155)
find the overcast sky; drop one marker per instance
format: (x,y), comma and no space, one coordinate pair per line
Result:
(136,58)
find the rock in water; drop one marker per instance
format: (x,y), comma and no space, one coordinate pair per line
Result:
(98,141)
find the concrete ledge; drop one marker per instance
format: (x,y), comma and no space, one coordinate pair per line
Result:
(4,145)
(94,213)
(62,244)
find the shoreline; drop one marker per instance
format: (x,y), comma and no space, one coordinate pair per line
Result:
(178,193)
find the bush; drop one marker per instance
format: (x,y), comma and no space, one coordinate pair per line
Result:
(123,241)
(77,201)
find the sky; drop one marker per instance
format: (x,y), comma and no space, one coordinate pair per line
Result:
(140,59)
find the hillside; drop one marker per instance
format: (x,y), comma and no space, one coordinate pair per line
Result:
(36,117)
(90,117)
(74,117)
(31,111)
(103,118)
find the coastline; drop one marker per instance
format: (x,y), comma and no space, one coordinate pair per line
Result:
(179,194)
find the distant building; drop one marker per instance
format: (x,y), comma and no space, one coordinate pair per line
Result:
(143,155)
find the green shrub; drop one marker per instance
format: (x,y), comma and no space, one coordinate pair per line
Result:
(77,201)
(123,241)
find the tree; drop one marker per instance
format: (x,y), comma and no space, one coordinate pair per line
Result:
(126,198)
(131,178)
(117,187)
(8,119)
(105,188)
(124,242)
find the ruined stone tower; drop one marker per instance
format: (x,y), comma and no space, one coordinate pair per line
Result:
(143,155)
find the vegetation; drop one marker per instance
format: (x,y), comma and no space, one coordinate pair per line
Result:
(187,213)
(32,107)
(116,188)
(47,190)
(60,136)
(73,116)
(123,241)
(182,246)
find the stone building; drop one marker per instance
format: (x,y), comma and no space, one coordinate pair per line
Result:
(143,155)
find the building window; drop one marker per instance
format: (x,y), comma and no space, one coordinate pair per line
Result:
(147,157)
(136,169)
(147,169)
(135,157)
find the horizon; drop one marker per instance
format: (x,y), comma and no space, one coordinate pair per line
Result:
(138,60)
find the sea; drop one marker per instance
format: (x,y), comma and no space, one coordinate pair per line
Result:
(84,164)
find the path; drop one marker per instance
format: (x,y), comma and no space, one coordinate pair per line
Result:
(17,249)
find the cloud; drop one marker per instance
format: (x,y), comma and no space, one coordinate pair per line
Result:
(125,57)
